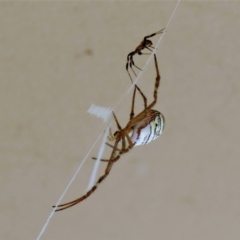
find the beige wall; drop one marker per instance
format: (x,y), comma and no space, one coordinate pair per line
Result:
(58,58)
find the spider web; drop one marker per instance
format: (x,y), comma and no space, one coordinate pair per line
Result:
(104,133)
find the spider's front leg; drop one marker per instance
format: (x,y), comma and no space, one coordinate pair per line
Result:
(141,53)
(131,63)
(133,100)
(145,39)
(157,83)
(148,43)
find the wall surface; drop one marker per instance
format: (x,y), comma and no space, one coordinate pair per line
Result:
(57,58)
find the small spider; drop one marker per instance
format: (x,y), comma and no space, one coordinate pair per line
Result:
(140,130)
(146,43)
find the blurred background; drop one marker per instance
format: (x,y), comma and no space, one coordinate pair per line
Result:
(58,58)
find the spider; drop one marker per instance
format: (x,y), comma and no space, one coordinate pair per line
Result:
(140,130)
(146,43)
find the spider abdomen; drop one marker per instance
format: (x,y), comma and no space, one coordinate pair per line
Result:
(148,129)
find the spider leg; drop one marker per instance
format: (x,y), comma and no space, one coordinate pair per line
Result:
(129,63)
(78,200)
(107,171)
(147,43)
(133,64)
(117,141)
(130,76)
(115,118)
(102,160)
(153,34)
(113,158)
(131,145)
(133,100)
(148,48)
(112,146)
(149,36)
(152,47)
(161,31)
(143,96)
(124,149)
(131,54)
(157,83)
(122,134)
(107,160)
(144,53)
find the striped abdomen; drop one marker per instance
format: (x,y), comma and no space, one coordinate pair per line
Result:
(148,129)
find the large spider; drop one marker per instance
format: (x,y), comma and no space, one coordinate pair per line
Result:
(141,129)
(146,43)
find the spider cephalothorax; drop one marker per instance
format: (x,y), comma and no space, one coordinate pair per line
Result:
(141,129)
